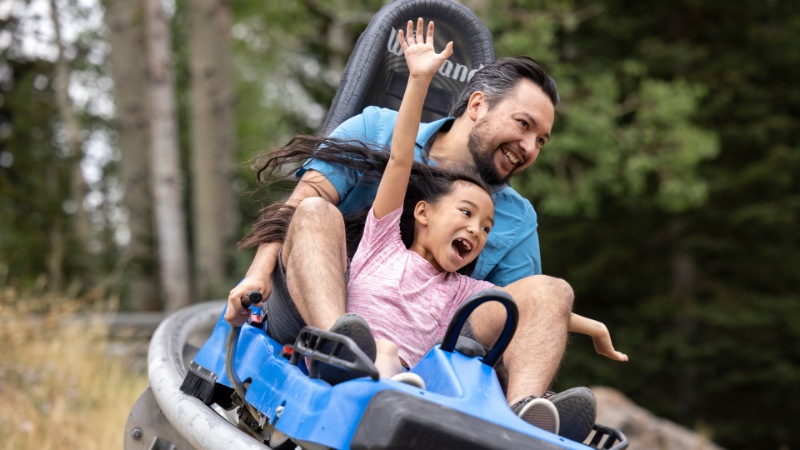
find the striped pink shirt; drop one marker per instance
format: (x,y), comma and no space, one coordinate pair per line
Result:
(400,294)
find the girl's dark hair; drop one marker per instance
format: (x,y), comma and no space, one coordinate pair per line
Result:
(427,183)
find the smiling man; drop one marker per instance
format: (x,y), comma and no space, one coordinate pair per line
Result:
(499,124)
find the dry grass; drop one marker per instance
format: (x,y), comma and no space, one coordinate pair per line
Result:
(59,385)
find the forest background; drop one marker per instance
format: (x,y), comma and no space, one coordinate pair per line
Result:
(668,196)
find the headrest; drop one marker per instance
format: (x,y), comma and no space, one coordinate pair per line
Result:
(376,72)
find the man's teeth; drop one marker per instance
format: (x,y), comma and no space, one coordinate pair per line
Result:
(511,157)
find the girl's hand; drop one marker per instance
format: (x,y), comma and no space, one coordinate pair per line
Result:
(604,346)
(421,57)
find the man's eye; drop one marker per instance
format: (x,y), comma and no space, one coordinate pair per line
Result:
(542,142)
(523,124)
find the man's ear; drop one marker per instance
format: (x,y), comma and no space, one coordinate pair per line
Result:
(421,211)
(476,100)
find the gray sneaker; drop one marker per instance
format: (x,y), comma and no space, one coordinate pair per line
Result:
(357,329)
(577,411)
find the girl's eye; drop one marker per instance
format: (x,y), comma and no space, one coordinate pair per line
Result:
(466,212)
(487,229)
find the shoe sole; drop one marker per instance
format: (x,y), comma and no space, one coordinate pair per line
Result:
(541,413)
(410,378)
(357,329)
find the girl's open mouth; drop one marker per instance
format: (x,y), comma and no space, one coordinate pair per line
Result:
(461,247)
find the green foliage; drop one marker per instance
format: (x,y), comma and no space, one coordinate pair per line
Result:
(30,165)
(668,198)
(287,76)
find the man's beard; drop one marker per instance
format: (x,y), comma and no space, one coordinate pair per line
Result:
(484,159)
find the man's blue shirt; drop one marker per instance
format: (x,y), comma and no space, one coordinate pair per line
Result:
(512,249)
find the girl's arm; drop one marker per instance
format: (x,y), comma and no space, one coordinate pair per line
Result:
(600,336)
(423,63)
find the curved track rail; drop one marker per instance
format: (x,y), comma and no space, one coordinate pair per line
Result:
(163,416)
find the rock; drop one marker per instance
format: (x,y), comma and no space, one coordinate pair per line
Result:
(644,430)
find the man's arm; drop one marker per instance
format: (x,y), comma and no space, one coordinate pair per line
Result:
(259,275)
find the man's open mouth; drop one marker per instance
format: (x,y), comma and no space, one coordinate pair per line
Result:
(512,157)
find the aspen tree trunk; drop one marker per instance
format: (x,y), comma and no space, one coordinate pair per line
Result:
(165,168)
(214,198)
(124,20)
(81,226)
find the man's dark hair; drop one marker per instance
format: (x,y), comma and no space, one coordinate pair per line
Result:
(499,78)
(426,182)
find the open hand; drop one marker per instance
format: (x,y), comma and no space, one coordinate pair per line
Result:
(421,57)
(604,346)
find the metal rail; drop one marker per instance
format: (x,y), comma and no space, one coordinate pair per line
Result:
(199,425)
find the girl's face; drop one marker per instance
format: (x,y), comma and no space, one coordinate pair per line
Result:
(451,232)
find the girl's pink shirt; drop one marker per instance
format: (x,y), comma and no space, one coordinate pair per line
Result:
(400,294)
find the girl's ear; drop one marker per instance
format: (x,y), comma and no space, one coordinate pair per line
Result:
(421,212)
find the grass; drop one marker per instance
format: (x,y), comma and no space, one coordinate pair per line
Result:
(60,386)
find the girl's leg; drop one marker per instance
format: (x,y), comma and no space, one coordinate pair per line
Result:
(388,359)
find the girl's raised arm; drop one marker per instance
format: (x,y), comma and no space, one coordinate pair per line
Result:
(423,63)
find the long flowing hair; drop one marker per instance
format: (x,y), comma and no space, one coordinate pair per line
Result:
(427,183)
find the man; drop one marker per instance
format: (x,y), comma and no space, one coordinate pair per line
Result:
(501,121)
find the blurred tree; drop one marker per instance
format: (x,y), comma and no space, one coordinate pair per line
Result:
(125,23)
(71,132)
(215,206)
(165,168)
(286,78)
(40,245)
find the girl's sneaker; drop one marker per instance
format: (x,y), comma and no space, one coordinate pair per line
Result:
(410,378)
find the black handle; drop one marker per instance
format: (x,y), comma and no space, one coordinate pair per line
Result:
(252,298)
(460,318)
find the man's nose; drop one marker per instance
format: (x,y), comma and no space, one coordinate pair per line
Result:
(530,147)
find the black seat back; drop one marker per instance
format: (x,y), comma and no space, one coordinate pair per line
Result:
(376,72)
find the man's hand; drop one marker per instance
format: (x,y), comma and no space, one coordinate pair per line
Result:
(236,314)
(421,57)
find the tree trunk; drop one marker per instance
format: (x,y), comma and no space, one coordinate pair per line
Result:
(165,167)
(81,225)
(214,198)
(124,19)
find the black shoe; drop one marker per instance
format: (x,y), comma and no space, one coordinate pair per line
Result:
(357,329)
(577,411)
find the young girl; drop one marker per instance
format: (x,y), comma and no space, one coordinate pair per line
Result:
(408,293)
